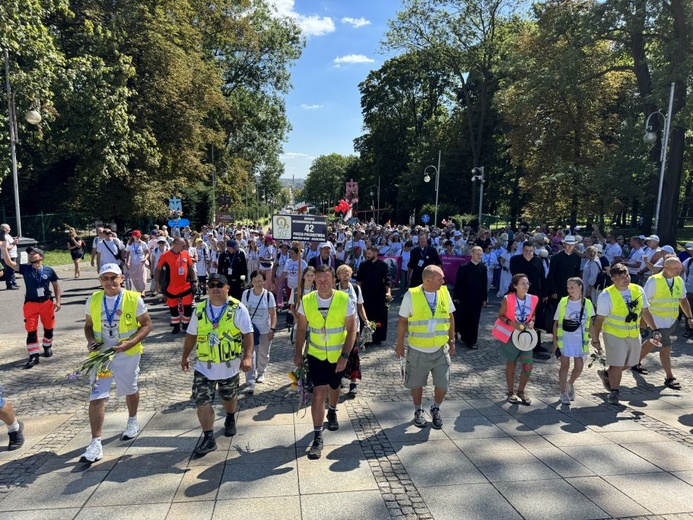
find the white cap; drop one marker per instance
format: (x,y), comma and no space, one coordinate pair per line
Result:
(668,249)
(110,268)
(689,245)
(653,237)
(599,248)
(543,253)
(325,244)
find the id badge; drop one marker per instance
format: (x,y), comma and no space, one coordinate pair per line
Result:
(40,292)
(421,263)
(230,271)
(181,271)
(214,339)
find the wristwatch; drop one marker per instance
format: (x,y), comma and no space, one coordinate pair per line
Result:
(344,355)
(273,329)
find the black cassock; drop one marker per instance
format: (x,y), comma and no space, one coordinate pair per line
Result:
(374,278)
(471,291)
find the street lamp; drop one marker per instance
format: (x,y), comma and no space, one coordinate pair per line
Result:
(427,178)
(478,175)
(377,192)
(650,137)
(32,117)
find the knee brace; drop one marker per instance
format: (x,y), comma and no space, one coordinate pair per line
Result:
(526,368)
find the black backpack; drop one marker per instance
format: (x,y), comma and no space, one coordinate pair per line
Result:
(603,279)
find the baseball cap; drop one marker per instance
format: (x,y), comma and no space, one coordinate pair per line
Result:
(110,268)
(653,237)
(668,249)
(232,243)
(198,240)
(689,245)
(161,239)
(642,237)
(599,248)
(326,244)
(136,233)
(216,277)
(36,250)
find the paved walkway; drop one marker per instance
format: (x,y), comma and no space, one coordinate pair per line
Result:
(490,460)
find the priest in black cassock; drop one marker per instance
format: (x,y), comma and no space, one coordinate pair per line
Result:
(469,296)
(374,279)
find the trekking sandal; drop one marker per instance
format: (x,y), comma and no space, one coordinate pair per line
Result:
(523,398)
(512,398)
(640,369)
(671,382)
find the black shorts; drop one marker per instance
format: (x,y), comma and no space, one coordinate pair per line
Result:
(323,373)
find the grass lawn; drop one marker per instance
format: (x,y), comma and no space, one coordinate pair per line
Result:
(58,257)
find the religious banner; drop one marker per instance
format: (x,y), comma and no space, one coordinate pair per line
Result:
(394,264)
(352,192)
(450,265)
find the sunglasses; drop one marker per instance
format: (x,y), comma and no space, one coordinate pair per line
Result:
(108,278)
(215,285)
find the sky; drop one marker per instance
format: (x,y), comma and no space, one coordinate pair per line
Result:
(342,46)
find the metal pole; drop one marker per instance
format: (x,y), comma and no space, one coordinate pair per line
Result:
(435,222)
(663,155)
(214,188)
(377,219)
(481,194)
(13,142)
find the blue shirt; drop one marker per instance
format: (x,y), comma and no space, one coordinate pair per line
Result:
(34,279)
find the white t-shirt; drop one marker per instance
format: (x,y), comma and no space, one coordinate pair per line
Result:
(109,331)
(356,297)
(108,250)
(291,270)
(604,304)
(202,260)
(406,310)
(218,371)
(324,306)
(267,252)
(573,340)
(137,252)
(263,303)
(636,255)
(650,288)
(611,251)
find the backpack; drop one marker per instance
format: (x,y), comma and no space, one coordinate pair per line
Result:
(603,279)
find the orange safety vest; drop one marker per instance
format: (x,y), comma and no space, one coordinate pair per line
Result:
(501,330)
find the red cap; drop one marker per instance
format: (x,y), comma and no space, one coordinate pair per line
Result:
(136,233)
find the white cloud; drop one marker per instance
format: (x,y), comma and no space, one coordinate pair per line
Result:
(310,107)
(353,58)
(310,25)
(356,22)
(296,155)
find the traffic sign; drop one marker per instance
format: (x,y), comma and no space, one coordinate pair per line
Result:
(299,227)
(425,218)
(181,222)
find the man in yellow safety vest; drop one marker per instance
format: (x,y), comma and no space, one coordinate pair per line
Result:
(329,317)
(426,313)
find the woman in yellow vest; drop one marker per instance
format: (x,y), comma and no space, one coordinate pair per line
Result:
(330,317)
(619,309)
(572,324)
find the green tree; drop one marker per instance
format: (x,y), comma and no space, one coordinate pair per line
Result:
(326,179)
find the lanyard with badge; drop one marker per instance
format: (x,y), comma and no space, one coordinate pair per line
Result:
(231,260)
(215,319)
(522,309)
(110,314)
(181,269)
(324,326)
(38,275)
(432,305)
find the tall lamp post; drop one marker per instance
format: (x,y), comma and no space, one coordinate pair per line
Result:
(376,194)
(650,137)
(427,178)
(32,117)
(478,175)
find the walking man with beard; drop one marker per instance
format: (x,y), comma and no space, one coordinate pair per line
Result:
(38,302)
(374,279)
(176,280)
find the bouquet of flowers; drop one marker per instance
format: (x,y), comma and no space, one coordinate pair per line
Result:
(99,364)
(299,383)
(367,333)
(597,357)
(176,213)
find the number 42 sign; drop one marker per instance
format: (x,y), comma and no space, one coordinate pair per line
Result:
(299,227)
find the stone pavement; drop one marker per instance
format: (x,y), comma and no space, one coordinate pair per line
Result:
(490,460)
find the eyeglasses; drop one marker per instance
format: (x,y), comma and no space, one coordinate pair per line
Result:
(215,285)
(108,278)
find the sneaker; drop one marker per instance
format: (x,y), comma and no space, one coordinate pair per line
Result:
(176,329)
(16,438)
(206,445)
(131,430)
(93,452)
(571,392)
(565,398)
(436,419)
(260,378)
(47,352)
(33,361)
(419,419)
(249,389)
(613,397)
(230,425)
(353,388)
(604,376)
(315,451)
(332,423)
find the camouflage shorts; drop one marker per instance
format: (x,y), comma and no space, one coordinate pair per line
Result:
(204,390)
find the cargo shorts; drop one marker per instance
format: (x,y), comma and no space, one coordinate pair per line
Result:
(204,390)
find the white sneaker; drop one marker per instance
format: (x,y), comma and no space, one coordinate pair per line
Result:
(93,453)
(260,378)
(571,392)
(564,398)
(131,430)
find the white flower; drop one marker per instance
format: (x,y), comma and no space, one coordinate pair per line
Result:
(242,278)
